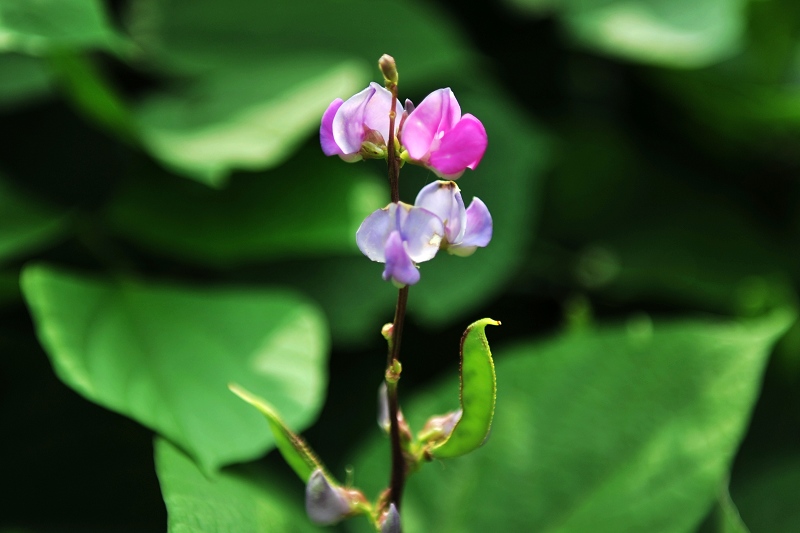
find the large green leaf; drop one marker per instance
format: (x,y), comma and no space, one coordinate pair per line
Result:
(238,499)
(676,33)
(618,429)
(208,34)
(244,118)
(164,356)
(37,26)
(25,225)
(306,207)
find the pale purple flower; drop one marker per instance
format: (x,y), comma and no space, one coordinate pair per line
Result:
(465,229)
(400,235)
(359,127)
(436,135)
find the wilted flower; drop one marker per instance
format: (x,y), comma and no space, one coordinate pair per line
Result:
(400,235)
(359,127)
(465,229)
(325,503)
(436,135)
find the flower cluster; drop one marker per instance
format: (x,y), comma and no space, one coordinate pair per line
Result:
(434,134)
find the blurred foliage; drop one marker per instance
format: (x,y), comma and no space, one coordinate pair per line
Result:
(164,201)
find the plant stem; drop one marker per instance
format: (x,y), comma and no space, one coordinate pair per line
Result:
(398,476)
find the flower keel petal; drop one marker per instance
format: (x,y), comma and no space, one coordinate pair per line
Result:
(399,266)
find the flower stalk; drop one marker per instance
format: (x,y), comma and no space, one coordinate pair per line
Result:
(398,473)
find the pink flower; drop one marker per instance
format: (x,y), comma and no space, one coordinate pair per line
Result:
(436,135)
(359,127)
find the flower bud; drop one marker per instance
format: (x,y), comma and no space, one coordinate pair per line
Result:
(391,522)
(383,408)
(325,503)
(388,69)
(387,331)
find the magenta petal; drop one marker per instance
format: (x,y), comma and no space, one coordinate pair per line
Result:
(461,148)
(399,266)
(329,146)
(422,124)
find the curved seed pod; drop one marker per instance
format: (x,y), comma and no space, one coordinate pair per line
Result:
(293,448)
(478,394)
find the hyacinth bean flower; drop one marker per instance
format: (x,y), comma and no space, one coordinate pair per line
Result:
(359,127)
(400,235)
(437,136)
(465,229)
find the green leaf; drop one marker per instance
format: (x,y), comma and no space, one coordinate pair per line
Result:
(728,519)
(617,429)
(675,33)
(244,118)
(478,394)
(164,355)
(23,79)
(256,217)
(292,447)
(25,225)
(38,26)
(243,498)
(196,36)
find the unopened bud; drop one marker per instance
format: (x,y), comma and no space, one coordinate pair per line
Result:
(325,503)
(388,68)
(387,331)
(391,523)
(383,408)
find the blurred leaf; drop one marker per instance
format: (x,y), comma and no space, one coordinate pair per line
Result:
(293,448)
(84,84)
(238,499)
(753,99)
(25,225)
(244,118)
(767,499)
(478,394)
(204,34)
(37,26)
(164,356)
(675,33)
(643,226)
(728,519)
(611,430)
(22,79)
(537,7)
(307,207)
